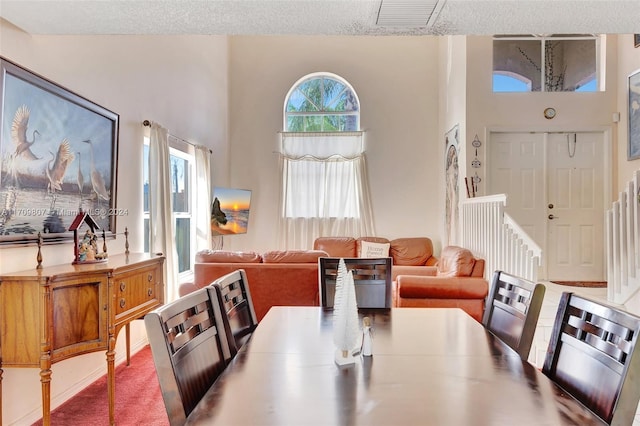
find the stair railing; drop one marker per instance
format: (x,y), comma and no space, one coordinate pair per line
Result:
(623,244)
(489,232)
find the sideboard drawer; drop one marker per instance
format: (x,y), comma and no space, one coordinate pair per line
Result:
(136,291)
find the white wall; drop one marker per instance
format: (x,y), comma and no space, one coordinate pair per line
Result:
(180,82)
(628,63)
(453,104)
(396,79)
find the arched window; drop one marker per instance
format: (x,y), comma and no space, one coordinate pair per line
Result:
(321,102)
(323,171)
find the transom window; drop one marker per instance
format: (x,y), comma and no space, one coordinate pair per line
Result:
(567,63)
(322,102)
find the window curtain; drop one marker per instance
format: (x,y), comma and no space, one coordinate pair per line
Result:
(324,188)
(161,229)
(203,198)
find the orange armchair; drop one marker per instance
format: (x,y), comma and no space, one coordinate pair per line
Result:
(458,283)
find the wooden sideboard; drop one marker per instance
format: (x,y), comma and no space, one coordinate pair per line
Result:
(57,312)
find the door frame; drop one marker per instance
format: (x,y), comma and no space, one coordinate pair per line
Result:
(607,171)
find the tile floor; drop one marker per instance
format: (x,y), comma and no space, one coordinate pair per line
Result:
(547,317)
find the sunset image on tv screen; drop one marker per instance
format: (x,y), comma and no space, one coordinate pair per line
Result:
(230,211)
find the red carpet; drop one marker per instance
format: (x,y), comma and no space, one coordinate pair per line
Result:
(138,398)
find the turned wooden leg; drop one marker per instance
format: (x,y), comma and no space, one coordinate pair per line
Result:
(111,381)
(45,379)
(1,396)
(127,331)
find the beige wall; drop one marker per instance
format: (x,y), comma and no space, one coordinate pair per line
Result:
(396,79)
(628,63)
(180,82)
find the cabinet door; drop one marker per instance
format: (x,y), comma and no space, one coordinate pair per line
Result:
(20,322)
(137,291)
(79,312)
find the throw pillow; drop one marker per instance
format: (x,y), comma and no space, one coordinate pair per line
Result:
(373,250)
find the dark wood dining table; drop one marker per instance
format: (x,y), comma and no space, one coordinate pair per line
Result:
(430,366)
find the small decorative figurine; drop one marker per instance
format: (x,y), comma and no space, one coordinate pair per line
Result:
(367,343)
(86,250)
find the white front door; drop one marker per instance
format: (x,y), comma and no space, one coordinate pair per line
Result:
(554,174)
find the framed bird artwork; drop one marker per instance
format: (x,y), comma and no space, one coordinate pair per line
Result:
(58,157)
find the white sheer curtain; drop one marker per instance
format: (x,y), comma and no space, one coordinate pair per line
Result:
(203,198)
(325,188)
(161,228)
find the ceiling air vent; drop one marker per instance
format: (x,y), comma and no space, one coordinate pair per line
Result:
(409,13)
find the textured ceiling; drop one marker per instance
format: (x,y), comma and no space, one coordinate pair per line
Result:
(339,17)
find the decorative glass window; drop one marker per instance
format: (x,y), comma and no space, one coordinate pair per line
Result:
(324,181)
(567,63)
(322,102)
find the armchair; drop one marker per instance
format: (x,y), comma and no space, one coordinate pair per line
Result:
(458,282)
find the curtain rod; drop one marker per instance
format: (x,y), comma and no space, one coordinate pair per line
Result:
(147,123)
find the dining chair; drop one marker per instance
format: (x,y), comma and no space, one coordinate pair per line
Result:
(512,310)
(592,356)
(238,306)
(190,349)
(371,276)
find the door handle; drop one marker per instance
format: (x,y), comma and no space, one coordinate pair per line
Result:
(551,217)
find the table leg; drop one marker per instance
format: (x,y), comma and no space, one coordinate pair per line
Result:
(127,331)
(1,371)
(111,381)
(45,380)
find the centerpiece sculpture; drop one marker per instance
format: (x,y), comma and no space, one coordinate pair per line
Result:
(346,329)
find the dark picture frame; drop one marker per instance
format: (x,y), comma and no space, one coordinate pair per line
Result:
(58,155)
(633,126)
(636,40)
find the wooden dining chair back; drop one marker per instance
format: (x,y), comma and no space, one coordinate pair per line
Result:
(371,276)
(237,303)
(592,355)
(189,348)
(512,310)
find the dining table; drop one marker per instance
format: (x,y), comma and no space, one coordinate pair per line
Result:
(429,366)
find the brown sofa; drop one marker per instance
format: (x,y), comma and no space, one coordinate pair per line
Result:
(290,278)
(410,256)
(276,278)
(457,282)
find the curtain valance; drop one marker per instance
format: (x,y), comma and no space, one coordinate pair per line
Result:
(321,145)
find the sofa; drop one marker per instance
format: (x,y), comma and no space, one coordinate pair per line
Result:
(290,278)
(276,278)
(456,282)
(410,256)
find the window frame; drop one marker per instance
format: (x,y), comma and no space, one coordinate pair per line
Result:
(322,112)
(325,207)
(543,39)
(185,152)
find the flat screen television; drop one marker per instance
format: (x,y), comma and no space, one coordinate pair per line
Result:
(230,211)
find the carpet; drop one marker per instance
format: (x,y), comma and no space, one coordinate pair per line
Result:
(590,284)
(138,398)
